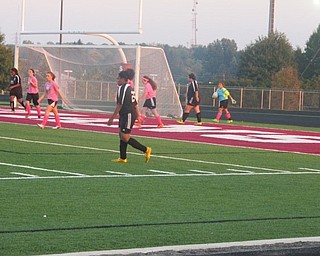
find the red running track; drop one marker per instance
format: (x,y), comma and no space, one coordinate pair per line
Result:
(219,134)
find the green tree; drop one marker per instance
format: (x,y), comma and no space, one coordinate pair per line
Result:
(309,60)
(221,60)
(6,62)
(261,60)
(181,63)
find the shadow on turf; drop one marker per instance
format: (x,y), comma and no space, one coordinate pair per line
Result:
(138,225)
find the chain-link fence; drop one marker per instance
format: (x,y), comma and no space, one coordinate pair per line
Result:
(258,98)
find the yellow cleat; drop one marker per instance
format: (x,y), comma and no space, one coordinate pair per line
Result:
(215,120)
(180,122)
(230,121)
(198,123)
(148,154)
(120,160)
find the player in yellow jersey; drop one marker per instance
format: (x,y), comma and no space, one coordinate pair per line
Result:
(223,97)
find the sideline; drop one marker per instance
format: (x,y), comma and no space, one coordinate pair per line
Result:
(178,248)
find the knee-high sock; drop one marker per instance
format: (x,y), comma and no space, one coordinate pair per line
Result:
(228,115)
(38,110)
(22,104)
(57,118)
(28,108)
(12,105)
(198,117)
(45,120)
(123,149)
(218,115)
(185,116)
(137,145)
(159,120)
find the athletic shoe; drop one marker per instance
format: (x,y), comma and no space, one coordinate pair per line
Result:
(27,117)
(41,126)
(148,154)
(180,122)
(160,125)
(230,121)
(215,120)
(39,117)
(198,123)
(120,160)
(56,127)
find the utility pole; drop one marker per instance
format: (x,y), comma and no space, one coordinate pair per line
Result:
(194,24)
(271,17)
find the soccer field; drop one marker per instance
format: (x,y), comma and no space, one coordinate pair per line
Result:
(60,192)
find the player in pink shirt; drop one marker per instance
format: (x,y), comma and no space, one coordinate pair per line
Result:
(52,91)
(32,94)
(150,101)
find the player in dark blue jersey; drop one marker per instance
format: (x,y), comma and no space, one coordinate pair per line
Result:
(128,112)
(15,89)
(193,101)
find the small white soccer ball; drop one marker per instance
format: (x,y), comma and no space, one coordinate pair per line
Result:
(215,95)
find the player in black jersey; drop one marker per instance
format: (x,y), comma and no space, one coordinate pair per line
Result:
(193,101)
(128,112)
(15,89)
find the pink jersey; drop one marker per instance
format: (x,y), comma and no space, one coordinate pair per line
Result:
(31,88)
(52,89)
(149,92)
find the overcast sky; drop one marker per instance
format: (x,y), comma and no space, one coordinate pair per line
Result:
(164,21)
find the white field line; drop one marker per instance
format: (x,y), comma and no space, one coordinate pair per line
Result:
(41,169)
(268,170)
(134,153)
(309,169)
(152,175)
(203,172)
(240,171)
(24,174)
(162,172)
(119,173)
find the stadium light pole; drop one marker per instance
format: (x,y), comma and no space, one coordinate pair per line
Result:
(271,17)
(61,19)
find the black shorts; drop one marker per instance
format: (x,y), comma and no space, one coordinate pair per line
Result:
(34,97)
(150,103)
(223,104)
(52,103)
(126,122)
(16,92)
(192,102)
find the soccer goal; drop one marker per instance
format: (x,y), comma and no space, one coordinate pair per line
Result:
(87,74)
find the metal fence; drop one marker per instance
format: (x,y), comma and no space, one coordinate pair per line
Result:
(258,98)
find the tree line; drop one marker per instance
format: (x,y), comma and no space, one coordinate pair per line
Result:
(269,62)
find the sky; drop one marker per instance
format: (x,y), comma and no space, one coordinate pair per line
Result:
(164,21)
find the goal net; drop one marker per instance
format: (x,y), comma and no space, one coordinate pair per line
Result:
(87,74)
